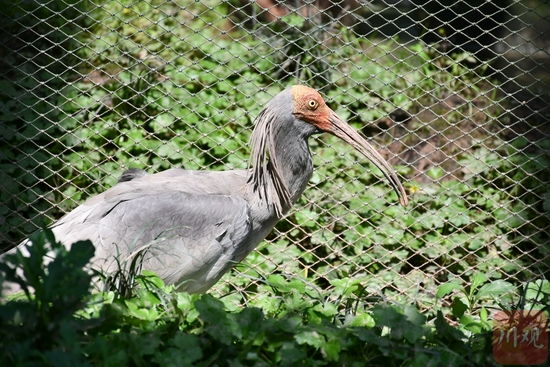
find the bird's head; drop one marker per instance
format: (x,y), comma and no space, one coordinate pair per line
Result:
(310,107)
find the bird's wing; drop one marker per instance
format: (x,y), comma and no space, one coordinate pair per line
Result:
(187,237)
(174,180)
(131,174)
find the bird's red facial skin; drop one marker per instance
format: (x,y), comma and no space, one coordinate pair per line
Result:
(309,106)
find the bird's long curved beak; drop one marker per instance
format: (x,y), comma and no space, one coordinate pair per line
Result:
(345,132)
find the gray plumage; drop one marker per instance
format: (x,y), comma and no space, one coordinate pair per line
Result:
(197,224)
(130,174)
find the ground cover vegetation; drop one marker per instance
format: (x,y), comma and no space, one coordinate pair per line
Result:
(160,84)
(297,323)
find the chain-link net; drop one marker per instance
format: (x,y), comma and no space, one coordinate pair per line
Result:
(454,94)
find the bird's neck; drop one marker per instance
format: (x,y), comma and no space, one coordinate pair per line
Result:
(283,177)
(297,165)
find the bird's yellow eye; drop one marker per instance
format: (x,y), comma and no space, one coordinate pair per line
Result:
(312,104)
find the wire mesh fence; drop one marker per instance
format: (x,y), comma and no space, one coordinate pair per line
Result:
(454,94)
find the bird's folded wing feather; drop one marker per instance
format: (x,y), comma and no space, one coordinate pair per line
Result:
(187,237)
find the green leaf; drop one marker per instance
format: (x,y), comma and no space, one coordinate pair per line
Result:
(283,285)
(312,338)
(445,331)
(445,289)
(345,286)
(398,323)
(291,354)
(471,324)
(458,307)
(146,314)
(188,346)
(479,279)
(435,173)
(293,19)
(537,290)
(495,289)
(150,278)
(363,320)
(219,324)
(332,348)
(307,218)
(483,314)
(414,316)
(250,320)
(430,219)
